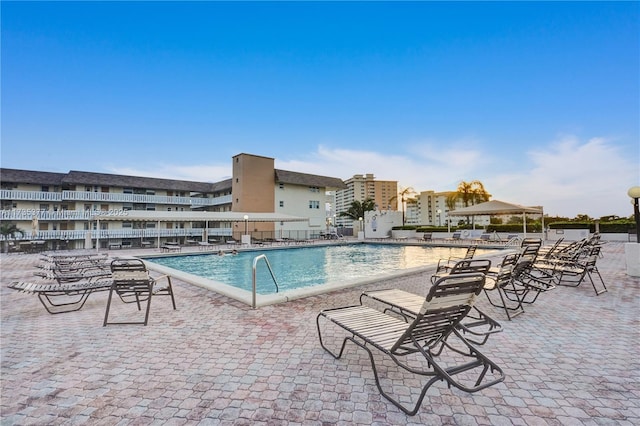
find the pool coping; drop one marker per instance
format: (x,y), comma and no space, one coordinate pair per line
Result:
(246,296)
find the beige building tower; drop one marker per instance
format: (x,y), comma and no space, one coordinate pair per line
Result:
(361,187)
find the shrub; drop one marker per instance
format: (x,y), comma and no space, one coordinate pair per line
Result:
(405,228)
(512,228)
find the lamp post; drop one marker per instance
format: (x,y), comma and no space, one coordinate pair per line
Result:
(245,238)
(439,212)
(631,250)
(361,226)
(634,193)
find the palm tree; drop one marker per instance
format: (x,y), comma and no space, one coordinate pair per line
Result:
(404,195)
(357,209)
(471,193)
(9,230)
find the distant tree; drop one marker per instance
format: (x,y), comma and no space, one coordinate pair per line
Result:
(470,193)
(404,195)
(515,219)
(356,209)
(9,231)
(551,219)
(582,218)
(451,201)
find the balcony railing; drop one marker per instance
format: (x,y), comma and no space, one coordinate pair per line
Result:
(28,214)
(11,194)
(105,234)
(111,197)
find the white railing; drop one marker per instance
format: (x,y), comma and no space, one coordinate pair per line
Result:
(112,197)
(143,198)
(12,194)
(105,234)
(215,201)
(28,214)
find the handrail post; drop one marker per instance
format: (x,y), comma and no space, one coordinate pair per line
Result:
(253,294)
(255,263)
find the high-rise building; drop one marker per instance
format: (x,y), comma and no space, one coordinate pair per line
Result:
(384,194)
(433,209)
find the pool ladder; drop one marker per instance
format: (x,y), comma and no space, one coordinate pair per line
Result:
(255,264)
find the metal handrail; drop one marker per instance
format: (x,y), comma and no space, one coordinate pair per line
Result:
(255,263)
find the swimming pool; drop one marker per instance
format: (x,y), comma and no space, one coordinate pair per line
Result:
(302,271)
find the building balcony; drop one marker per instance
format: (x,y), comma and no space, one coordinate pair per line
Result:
(111,197)
(10,194)
(106,234)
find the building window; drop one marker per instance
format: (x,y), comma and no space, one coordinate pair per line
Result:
(314,204)
(45,188)
(314,189)
(126,224)
(281,185)
(127,190)
(151,207)
(44,207)
(281,203)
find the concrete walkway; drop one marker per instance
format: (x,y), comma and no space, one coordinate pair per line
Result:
(572,359)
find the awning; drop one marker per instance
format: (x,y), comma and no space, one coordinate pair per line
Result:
(162,216)
(495,207)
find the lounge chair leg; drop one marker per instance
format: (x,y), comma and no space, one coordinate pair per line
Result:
(593,284)
(52,307)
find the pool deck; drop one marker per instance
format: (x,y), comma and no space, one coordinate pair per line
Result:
(573,358)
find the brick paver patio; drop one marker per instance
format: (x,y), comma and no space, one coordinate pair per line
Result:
(572,359)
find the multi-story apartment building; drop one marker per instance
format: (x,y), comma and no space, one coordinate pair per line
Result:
(361,187)
(85,209)
(259,187)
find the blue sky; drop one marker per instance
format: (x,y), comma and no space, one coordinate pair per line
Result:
(540,101)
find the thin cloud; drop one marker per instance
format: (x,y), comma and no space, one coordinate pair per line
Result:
(571,177)
(198,173)
(567,177)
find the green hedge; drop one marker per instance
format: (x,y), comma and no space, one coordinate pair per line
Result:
(605,228)
(514,228)
(620,226)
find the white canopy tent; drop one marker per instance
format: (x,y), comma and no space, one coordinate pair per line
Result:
(496,207)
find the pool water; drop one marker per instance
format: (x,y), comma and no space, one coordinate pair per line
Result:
(309,266)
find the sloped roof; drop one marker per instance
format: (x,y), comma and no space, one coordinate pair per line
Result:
(106,179)
(494,207)
(76,177)
(29,176)
(296,178)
